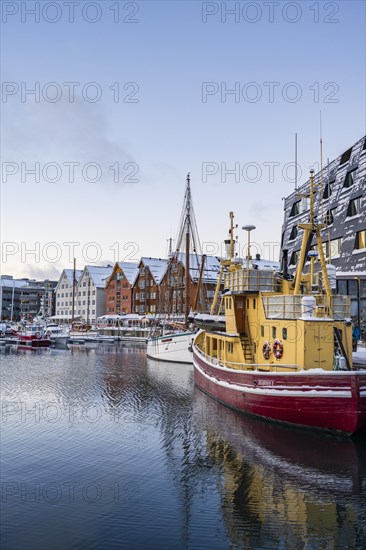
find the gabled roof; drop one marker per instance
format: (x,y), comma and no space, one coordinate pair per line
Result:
(99,274)
(131,270)
(211,267)
(157,267)
(69,273)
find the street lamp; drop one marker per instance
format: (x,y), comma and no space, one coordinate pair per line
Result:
(248,228)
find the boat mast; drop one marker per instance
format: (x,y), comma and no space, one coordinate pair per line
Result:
(199,283)
(224,263)
(309,229)
(73,291)
(188,238)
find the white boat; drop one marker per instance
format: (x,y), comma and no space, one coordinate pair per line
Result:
(175,345)
(124,327)
(58,335)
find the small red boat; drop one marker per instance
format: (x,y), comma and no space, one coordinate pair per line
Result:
(33,337)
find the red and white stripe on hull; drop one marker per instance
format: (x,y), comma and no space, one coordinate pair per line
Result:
(328,400)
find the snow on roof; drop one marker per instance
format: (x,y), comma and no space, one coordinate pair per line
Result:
(260,263)
(70,274)
(211,267)
(130,270)
(99,274)
(157,267)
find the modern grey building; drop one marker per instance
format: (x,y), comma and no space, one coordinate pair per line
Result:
(26,298)
(340,203)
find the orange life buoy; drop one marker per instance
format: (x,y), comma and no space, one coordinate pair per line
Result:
(277,349)
(266,350)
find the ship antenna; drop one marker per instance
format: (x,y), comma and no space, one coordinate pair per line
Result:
(321,164)
(296,161)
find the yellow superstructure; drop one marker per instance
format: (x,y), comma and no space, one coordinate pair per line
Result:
(277,323)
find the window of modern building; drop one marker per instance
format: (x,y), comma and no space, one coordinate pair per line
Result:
(295,210)
(305,204)
(349,179)
(329,216)
(294,257)
(360,240)
(328,190)
(342,287)
(293,233)
(332,249)
(346,156)
(353,207)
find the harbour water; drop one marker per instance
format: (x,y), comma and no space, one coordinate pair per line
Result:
(102,448)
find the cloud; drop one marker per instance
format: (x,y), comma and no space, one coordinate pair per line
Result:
(60,132)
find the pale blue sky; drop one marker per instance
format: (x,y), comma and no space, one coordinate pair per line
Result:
(168,55)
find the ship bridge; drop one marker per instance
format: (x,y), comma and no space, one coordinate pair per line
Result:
(252,280)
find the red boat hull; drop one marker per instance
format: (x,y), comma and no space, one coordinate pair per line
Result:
(33,341)
(333,401)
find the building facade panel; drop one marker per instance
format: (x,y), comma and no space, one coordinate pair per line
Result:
(340,203)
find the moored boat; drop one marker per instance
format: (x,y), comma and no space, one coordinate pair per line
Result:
(167,343)
(57,334)
(286,352)
(33,337)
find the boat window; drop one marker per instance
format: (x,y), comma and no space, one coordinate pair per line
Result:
(274,332)
(254,303)
(284,333)
(247,303)
(262,331)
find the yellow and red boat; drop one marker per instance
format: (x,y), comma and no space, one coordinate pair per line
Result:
(285,353)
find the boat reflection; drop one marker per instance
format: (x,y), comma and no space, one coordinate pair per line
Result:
(276,479)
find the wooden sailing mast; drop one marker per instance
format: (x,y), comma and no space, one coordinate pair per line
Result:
(188,238)
(73,292)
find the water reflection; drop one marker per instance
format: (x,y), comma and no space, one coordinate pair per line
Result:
(202,475)
(304,485)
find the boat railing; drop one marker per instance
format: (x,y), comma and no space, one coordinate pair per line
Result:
(254,280)
(246,366)
(288,306)
(341,307)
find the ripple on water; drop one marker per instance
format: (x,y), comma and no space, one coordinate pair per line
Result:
(104,448)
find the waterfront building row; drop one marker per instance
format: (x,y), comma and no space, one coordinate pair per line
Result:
(154,285)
